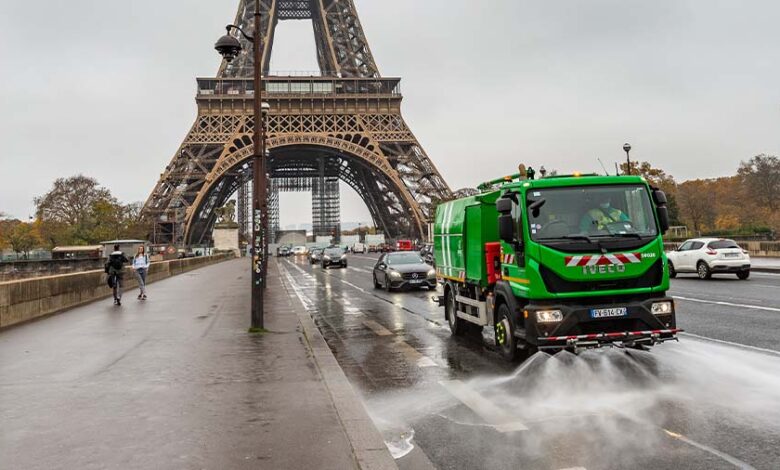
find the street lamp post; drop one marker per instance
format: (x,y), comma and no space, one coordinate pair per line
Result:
(627,149)
(229,47)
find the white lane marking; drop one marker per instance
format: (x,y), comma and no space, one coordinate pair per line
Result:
(363,270)
(378,329)
(352,285)
(415,356)
(731,343)
(500,420)
(732,460)
(308,303)
(728,304)
(364,257)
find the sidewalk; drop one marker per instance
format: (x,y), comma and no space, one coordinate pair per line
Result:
(177,382)
(758,264)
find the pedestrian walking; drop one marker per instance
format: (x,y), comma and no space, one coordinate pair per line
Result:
(115,267)
(141,267)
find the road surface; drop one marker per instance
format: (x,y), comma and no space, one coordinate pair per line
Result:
(710,401)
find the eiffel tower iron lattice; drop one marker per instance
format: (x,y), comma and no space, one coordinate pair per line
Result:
(344,124)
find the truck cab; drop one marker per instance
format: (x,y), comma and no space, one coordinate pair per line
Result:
(559,263)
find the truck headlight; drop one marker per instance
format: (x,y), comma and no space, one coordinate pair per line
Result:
(432,273)
(395,274)
(549,316)
(662,308)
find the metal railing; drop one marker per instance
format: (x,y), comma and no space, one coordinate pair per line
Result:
(309,86)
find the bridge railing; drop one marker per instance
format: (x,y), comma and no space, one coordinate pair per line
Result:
(308,86)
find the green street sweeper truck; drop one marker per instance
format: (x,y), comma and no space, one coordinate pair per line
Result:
(563,262)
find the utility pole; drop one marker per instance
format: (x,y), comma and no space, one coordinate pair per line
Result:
(229,47)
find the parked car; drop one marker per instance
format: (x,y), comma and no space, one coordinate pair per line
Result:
(315,255)
(358,248)
(399,270)
(334,256)
(708,256)
(299,251)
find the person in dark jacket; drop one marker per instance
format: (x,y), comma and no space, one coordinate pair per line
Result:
(115,268)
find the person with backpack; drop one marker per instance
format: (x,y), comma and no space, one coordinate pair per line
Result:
(115,267)
(141,267)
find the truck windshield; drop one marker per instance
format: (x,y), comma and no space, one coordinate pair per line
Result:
(588,212)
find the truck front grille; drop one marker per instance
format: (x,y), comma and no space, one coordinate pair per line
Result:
(557,285)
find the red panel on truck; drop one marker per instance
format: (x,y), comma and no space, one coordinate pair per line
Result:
(493,261)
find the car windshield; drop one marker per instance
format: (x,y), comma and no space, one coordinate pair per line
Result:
(334,252)
(721,244)
(591,212)
(403,258)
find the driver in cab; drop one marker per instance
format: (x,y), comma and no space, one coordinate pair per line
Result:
(599,218)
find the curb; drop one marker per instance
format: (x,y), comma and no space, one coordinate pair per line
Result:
(368,447)
(765,270)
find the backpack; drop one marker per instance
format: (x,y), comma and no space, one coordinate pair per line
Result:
(116,263)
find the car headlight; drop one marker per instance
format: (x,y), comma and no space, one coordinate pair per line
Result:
(549,316)
(326,257)
(662,308)
(431,273)
(343,256)
(395,274)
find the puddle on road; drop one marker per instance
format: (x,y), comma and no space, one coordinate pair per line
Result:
(610,403)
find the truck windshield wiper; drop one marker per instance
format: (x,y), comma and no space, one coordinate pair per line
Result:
(570,237)
(625,235)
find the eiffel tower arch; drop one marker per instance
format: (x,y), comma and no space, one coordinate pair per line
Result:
(344,125)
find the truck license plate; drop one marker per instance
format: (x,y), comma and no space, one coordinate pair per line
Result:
(608,312)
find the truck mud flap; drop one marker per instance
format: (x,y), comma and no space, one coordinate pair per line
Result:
(598,340)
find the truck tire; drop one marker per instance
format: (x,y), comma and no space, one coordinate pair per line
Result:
(457,325)
(672,271)
(505,334)
(703,270)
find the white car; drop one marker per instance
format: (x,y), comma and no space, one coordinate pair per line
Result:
(300,251)
(708,256)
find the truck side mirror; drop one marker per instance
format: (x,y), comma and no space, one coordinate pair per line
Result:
(506,228)
(506,224)
(659,197)
(663,218)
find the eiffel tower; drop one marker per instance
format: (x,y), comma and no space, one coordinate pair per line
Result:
(341,125)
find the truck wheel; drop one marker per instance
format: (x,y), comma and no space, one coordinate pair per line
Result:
(505,335)
(703,270)
(672,271)
(457,325)
(743,275)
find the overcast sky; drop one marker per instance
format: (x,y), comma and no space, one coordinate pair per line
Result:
(106,87)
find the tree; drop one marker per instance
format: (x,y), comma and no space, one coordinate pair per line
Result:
(660,179)
(23,238)
(71,202)
(761,176)
(696,205)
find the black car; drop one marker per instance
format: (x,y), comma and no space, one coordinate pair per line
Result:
(334,257)
(315,255)
(403,269)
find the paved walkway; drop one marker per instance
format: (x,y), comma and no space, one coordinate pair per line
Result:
(765,264)
(177,382)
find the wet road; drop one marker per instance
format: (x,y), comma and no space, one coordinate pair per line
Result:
(451,403)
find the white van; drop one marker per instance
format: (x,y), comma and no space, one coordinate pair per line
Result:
(358,248)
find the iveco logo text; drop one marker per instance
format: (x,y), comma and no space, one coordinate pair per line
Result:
(603,269)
